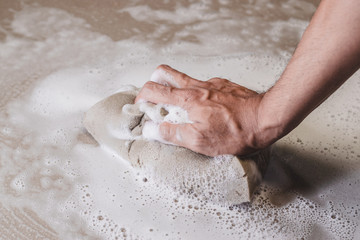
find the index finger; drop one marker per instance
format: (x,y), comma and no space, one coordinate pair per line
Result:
(157,93)
(169,76)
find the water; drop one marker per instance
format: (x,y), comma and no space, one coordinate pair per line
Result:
(58,58)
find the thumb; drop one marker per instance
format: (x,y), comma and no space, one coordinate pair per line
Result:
(174,133)
(158,132)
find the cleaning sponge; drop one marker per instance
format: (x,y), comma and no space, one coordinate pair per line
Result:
(118,124)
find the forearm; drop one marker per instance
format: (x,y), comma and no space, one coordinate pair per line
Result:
(328,54)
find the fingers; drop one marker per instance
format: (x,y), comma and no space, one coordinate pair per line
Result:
(185,135)
(179,134)
(157,93)
(168,76)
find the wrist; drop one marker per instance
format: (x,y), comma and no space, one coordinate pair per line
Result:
(270,125)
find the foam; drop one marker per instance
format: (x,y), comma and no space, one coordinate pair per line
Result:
(174,115)
(56,182)
(156,114)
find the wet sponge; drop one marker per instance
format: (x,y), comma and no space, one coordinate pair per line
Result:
(116,123)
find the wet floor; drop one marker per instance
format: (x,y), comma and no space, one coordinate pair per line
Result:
(58,58)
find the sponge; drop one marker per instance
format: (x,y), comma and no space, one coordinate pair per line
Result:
(116,123)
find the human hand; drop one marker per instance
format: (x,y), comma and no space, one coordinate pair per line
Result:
(224,114)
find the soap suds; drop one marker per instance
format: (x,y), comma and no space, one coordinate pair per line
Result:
(56,182)
(158,114)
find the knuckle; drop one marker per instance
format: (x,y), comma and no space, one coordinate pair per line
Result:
(184,76)
(193,96)
(218,83)
(202,93)
(184,79)
(215,79)
(189,81)
(218,80)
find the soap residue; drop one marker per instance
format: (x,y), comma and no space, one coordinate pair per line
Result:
(154,114)
(57,183)
(158,114)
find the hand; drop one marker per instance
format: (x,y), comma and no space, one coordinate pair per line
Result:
(224,114)
(231,119)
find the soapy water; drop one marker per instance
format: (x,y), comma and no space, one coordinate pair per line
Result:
(57,183)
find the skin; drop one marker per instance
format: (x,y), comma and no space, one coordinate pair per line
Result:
(231,119)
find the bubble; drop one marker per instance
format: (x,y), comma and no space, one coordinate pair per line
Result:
(56,176)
